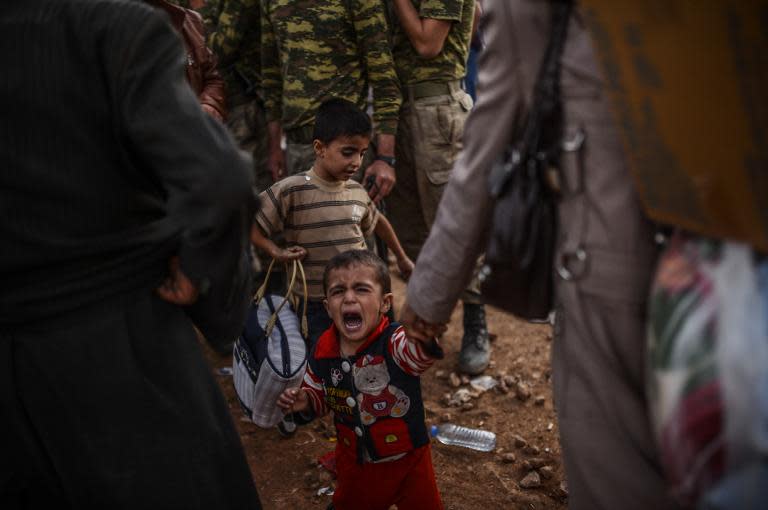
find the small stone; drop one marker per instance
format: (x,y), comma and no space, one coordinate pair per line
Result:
(563,489)
(527,466)
(445,417)
(538,462)
(454,380)
(535,375)
(547,472)
(464,379)
(446,400)
(539,400)
(522,392)
(467,406)
(519,441)
(548,337)
(508,458)
(463,395)
(502,388)
(531,450)
(550,426)
(531,480)
(441,374)
(510,381)
(492,337)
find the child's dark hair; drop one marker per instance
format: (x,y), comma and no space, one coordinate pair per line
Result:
(338,117)
(363,258)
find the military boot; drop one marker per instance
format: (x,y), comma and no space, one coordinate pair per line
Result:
(475,344)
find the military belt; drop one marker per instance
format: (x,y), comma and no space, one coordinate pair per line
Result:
(301,135)
(431,88)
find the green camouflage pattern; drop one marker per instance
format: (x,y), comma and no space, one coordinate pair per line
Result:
(451,63)
(209,11)
(236,39)
(316,50)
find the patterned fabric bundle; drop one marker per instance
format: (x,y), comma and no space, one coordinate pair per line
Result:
(708,369)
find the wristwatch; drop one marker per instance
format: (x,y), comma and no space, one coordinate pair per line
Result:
(390,160)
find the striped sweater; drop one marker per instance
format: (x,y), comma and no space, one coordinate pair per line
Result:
(323,217)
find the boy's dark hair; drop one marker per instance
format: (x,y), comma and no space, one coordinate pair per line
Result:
(363,258)
(338,117)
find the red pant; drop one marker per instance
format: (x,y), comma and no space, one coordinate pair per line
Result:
(408,483)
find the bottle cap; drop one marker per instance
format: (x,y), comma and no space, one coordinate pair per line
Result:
(433,430)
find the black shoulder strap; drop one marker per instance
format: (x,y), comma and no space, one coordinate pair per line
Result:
(543,127)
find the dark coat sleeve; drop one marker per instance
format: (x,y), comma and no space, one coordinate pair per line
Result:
(206,180)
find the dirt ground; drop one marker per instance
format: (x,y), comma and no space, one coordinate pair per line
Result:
(519,411)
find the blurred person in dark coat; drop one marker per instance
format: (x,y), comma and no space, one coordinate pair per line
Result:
(598,351)
(124,217)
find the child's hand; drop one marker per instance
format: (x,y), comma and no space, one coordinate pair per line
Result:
(289,254)
(405,265)
(293,399)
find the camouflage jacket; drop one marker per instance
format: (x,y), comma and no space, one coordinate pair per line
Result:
(451,63)
(328,48)
(234,35)
(236,40)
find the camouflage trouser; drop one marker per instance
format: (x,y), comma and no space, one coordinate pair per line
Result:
(428,144)
(247,123)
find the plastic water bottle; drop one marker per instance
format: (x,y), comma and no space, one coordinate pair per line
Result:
(476,439)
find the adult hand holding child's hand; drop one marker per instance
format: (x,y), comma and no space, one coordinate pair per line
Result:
(293,399)
(417,328)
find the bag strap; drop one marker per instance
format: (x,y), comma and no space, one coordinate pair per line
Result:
(546,109)
(297,269)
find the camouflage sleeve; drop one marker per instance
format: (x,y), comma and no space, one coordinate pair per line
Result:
(449,10)
(236,20)
(372,38)
(271,79)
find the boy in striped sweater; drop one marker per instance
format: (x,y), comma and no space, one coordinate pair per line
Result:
(366,371)
(322,212)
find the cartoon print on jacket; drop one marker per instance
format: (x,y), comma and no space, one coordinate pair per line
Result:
(377,398)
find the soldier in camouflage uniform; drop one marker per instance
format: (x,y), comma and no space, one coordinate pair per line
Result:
(430,45)
(234,36)
(236,40)
(313,51)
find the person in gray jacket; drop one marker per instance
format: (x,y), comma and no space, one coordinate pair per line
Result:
(598,352)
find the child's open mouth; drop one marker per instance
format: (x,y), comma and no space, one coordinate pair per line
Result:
(352,321)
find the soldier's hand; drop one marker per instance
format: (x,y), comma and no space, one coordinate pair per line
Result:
(276,163)
(384,176)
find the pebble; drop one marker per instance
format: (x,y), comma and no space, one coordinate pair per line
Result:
(502,388)
(563,489)
(539,400)
(463,395)
(464,379)
(522,392)
(454,380)
(508,458)
(446,400)
(531,480)
(550,426)
(519,441)
(441,374)
(510,381)
(445,417)
(547,472)
(531,450)
(467,406)
(538,462)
